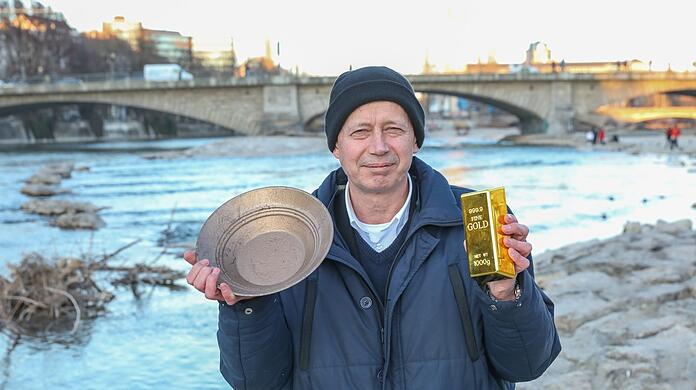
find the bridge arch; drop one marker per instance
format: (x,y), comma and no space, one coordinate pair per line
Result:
(88,112)
(310,125)
(233,109)
(615,92)
(686,92)
(529,120)
(626,112)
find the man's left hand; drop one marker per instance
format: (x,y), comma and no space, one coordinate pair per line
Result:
(518,248)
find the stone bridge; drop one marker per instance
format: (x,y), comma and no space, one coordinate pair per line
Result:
(543,102)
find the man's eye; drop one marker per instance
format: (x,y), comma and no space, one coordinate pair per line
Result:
(359,132)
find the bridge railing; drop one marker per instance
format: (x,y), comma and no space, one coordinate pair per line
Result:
(217,78)
(202,77)
(76,78)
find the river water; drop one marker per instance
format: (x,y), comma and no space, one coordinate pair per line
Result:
(166,339)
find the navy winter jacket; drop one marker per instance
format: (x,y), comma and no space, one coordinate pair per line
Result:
(437,329)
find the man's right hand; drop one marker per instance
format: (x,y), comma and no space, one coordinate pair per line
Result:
(204,278)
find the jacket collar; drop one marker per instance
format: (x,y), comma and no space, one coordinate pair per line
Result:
(435,202)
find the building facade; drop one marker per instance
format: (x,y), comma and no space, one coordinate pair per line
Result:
(171,46)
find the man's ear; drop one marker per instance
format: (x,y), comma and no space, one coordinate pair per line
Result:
(415,147)
(336,152)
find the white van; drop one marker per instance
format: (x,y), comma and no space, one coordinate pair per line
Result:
(165,72)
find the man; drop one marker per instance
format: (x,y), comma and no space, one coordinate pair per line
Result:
(590,136)
(392,306)
(674,134)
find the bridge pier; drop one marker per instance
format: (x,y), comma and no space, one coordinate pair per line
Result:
(281,110)
(95,120)
(531,125)
(559,119)
(40,125)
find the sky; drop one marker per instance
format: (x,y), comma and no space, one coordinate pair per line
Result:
(327,37)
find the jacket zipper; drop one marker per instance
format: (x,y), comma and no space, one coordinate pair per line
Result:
(385,349)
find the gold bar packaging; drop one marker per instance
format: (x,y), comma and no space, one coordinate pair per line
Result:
(483,213)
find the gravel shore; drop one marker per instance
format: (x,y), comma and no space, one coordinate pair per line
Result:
(252,146)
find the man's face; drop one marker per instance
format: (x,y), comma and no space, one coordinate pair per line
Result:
(375,147)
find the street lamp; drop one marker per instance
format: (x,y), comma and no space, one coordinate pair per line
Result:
(278,53)
(111,59)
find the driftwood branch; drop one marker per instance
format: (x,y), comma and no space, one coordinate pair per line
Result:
(119,250)
(78,313)
(27,300)
(166,232)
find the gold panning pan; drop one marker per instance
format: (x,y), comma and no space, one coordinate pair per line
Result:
(266,240)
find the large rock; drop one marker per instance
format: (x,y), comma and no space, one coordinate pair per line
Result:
(576,380)
(42,190)
(632,227)
(44,178)
(674,227)
(57,207)
(70,215)
(632,367)
(590,280)
(669,274)
(88,220)
(63,169)
(576,309)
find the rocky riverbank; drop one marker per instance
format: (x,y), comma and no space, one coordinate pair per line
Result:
(625,310)
(629,141)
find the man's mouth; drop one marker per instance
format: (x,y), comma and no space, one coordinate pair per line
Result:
(379,165)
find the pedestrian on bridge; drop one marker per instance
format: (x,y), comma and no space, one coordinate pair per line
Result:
(392,306)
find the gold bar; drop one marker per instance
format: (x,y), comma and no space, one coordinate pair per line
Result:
(483,213)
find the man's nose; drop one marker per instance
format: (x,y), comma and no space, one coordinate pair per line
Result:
(378,144)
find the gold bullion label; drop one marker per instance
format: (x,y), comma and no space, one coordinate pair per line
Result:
(482,212)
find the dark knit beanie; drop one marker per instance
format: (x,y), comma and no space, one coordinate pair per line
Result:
(354,88)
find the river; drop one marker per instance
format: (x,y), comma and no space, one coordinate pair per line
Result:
(166,339)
